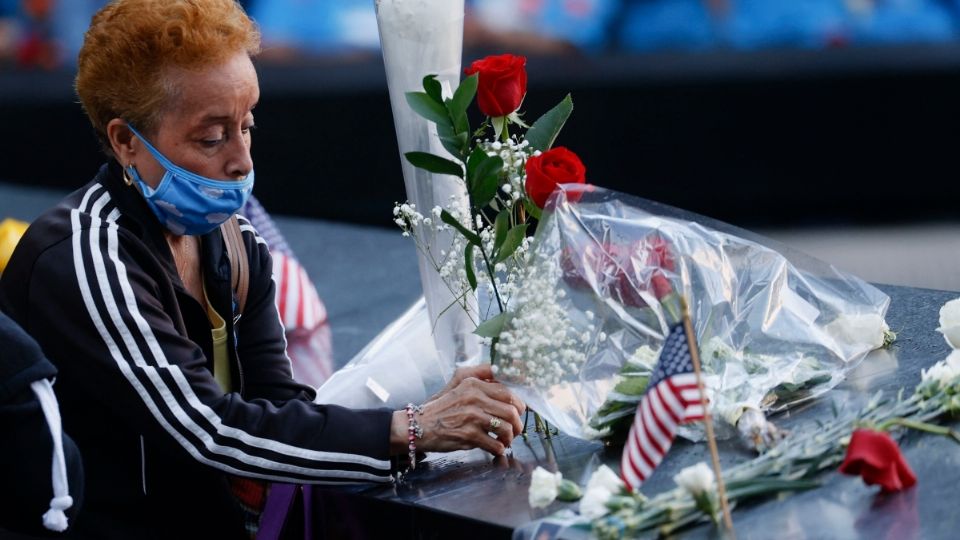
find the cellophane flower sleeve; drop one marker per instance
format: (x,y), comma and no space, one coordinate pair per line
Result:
(604,280)
(399,366)
(421,37)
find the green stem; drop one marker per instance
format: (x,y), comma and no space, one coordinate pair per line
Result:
(493,276)
(505,134)
(919,426)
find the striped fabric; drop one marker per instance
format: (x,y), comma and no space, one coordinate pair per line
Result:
(302,313)
(113,302)
(672,398)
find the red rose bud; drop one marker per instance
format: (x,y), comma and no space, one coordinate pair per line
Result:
(621,271)
(501,85)
(555,166)
(661,285)
(877,458)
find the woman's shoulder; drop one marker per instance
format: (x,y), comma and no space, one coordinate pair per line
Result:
(88,207)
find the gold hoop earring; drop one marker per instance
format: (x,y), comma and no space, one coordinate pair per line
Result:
(127,178)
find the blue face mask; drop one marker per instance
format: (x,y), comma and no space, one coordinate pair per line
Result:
(187,203)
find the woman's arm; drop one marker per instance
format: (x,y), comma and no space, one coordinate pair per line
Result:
(101,307)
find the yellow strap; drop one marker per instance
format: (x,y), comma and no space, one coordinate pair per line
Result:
(10,232)
(221,358)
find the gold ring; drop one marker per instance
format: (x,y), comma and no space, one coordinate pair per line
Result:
(495,422)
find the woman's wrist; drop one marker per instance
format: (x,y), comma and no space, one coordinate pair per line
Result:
(398,433)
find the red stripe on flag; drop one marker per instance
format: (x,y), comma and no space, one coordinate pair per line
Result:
(304,283)
(645,450)
(282,297)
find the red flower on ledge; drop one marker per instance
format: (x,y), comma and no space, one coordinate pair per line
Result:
(875,456)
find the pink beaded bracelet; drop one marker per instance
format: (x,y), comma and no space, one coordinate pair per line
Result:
(414,432)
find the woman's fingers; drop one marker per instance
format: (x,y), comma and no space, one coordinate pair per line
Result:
(482,372)
(498,392)
(455,426)
(465,416)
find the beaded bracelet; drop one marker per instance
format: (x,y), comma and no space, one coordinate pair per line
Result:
(414,432)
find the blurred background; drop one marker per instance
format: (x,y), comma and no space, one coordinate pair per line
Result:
(828,124)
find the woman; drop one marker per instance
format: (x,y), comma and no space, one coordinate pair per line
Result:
(177,398)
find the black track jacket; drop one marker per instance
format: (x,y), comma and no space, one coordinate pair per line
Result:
(94,282)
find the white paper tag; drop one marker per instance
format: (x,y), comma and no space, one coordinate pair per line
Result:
(799,307)
(378,390)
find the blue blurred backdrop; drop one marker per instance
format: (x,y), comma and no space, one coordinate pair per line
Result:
(47,33)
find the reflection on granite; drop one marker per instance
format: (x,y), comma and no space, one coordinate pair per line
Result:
(471,495)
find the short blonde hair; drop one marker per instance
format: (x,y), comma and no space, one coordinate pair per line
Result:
(131,43)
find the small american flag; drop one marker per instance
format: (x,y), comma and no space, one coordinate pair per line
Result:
(672,398)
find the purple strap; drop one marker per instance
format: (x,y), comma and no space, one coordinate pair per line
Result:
(279,501)
(308,512)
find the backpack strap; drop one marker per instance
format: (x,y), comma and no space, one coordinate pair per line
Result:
(239,265)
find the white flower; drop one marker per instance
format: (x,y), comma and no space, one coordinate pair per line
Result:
(950,322)
(543,487)
(591,434)
(944,371)
(645,357)
(860,328)
(696,479)
(594,503)
(605,478)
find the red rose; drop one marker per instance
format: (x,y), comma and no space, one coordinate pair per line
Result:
(877,458)
(502,83)
(555,166)
(621,271)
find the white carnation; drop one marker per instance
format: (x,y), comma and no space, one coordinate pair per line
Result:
(543,487)
(591,434)
(950,322)
(696,479)
(945,371)
(594,503)
(605,478)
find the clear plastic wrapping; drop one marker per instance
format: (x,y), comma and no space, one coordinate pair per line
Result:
(399,366)
(604,279)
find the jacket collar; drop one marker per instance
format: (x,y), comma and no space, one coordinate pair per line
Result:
(141,221)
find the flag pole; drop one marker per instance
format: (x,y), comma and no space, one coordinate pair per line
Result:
(707,420)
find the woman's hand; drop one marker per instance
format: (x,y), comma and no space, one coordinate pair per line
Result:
(462,416)
(482,372)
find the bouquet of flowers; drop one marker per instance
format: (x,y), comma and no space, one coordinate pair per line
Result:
(509,170)
(574,316)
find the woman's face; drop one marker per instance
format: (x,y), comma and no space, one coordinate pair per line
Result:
(206,128)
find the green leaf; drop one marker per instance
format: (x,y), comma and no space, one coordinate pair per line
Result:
(464,94)
(514,239)
(434,163)
(545,130)
(471,236)
(632,386)
(499,124)
(433,88)
(426,107)
(485,191)
(492,327)
(457,106)
(455,143)
(483,177)
(532,209)
(500,228)
(473,162)
(468,263)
